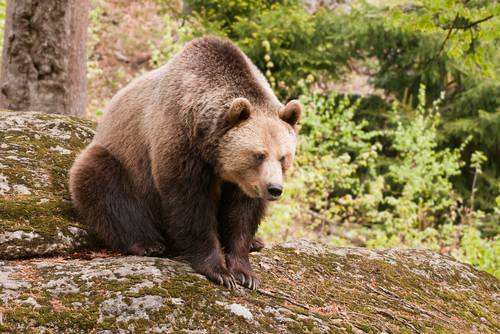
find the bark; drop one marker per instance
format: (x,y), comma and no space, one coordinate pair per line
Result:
(44,63)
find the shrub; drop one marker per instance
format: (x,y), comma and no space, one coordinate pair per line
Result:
(349,188)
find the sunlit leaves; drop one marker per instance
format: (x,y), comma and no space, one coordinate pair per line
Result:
(469,30)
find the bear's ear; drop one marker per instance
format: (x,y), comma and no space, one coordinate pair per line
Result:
(239,110)
(291,112)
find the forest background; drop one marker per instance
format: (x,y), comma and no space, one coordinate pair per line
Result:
(400,140)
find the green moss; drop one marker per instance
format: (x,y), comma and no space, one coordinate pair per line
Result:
(36,148)
(122,284)
(28,208)
(403,293)
(23,296)
(479,312)
(185,286)
(45,219)
(70,298)
(19,314)
(44,171)
(155,291)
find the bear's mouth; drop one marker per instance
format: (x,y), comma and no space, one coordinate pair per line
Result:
(254,192)
(251,191)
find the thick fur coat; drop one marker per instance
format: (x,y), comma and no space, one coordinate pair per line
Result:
(185,159)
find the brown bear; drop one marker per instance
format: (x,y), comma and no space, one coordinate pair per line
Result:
(185,159)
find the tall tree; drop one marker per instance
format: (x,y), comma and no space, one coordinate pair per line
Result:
(44,62)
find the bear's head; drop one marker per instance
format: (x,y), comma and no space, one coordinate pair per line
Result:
(259,148)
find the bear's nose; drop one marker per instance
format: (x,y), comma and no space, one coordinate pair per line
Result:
(275,191)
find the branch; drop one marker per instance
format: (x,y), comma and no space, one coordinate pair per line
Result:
(455,26)
(447,37)
(475,23)
(282,297)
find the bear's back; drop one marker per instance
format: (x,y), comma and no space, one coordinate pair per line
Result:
(211,68)
(208,71)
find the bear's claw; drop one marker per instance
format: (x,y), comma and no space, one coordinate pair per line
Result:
(248,280)
(221,277)
(227,280)
(244,276)
(143,249)
(256,245)
(240,268)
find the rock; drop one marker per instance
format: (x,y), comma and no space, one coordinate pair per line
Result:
(240,310)
(36,152)
(333,290)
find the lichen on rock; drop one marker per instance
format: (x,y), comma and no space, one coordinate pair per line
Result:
(36,152)
(335,290)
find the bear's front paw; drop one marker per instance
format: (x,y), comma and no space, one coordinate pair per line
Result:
(220,276)
(241,270)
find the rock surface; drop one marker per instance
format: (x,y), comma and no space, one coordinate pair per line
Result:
(304,287)
(36,152)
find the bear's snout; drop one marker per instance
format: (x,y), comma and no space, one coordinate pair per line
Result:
(274,191)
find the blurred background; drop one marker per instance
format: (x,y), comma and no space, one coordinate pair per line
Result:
(400,141)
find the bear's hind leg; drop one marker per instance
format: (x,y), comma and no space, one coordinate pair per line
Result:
(103,195)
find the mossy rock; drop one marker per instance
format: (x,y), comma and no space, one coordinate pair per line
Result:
(305,288)
(36,152)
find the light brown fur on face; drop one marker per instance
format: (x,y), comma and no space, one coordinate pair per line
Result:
(257,153)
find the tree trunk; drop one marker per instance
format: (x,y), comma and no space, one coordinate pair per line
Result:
(44,63)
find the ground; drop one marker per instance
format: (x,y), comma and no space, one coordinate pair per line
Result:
(305,288)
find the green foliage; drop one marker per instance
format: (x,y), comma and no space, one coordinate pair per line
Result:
(420,197)
(421,170)
(169,45)
(352,192)
(468,29)
(481,253)
(457,53)
(337,157)
(228,12)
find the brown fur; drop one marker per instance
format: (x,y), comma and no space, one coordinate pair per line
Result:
(173,170)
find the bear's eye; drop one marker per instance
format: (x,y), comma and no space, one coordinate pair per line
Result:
(282,160)
(260,157)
